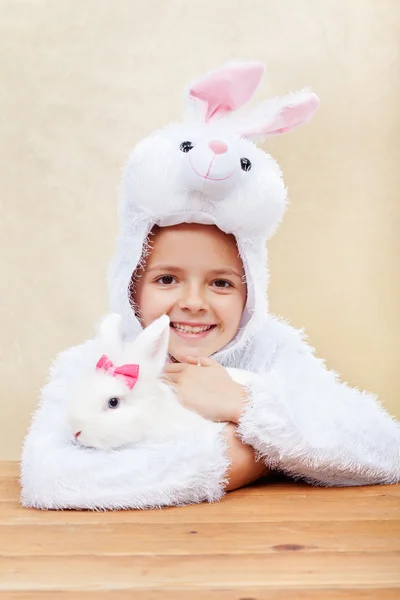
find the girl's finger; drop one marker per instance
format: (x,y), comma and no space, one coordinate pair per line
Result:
(201,361)
(174,368)
(193,360)
(171,378)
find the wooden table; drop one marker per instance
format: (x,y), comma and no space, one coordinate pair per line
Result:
(275,540)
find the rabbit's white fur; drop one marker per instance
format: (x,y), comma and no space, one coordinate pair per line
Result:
(149,411)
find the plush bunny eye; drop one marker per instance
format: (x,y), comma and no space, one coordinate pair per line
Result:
(113,402)
(245,164)
(186,146)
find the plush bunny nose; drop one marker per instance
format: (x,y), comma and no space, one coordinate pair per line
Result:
(78,434)
(218,146)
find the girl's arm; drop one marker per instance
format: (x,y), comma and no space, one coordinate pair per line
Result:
(302,420)
(213,393)
(244,468)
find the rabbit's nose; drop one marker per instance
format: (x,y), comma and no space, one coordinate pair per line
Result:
(78,433)
(218,146)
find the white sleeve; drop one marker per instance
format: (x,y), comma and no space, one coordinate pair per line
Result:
(57,474)
(302,420)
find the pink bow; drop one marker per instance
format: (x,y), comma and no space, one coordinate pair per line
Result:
(130,373)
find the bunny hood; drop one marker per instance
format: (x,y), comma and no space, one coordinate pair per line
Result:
(207,169)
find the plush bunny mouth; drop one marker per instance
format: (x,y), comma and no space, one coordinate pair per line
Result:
(212,178)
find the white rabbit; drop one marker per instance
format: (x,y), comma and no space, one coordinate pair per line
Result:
(121,405)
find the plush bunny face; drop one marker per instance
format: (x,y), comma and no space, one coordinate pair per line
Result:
(205,173)
(206,168)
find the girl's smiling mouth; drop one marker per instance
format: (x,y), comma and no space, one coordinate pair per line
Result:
(192,330)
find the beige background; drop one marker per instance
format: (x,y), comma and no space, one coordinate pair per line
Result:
(83,80)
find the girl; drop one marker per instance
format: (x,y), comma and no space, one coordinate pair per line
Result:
(203,291)
(198,203)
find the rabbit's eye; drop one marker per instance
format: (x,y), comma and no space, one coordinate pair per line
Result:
(186,146)
(113,402)
(245,164)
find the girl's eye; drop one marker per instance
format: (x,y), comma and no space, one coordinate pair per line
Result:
(166,280)
(222,283)
(114,402)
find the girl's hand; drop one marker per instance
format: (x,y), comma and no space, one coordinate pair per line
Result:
(207,389)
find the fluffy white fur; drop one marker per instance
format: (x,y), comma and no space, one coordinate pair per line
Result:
(149,411)
(299,417)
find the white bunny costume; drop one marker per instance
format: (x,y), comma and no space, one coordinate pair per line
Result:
(299,417)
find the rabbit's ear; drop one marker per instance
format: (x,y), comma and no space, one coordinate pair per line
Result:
(227,88)
(277,116)
(153,342)
(109,332)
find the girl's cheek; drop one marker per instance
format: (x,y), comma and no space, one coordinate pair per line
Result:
(163,301)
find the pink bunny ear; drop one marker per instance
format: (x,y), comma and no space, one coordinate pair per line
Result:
(228,88)
(279,115)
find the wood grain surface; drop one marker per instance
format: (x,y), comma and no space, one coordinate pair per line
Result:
(271,541)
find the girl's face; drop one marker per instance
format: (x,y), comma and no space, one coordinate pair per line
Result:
(193,274)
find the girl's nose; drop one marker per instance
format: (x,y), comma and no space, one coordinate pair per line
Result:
(218,146)
(193,300)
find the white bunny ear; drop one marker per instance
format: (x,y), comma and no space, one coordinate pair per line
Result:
(278,115)
(109,331)
(153,342)
(226,89)
(108,336)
